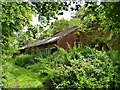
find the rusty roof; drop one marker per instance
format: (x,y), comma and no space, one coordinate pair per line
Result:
(54,38)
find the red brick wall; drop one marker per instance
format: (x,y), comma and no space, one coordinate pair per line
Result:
(68,39)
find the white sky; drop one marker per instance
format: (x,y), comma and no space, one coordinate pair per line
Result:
(66,15)
(34,20)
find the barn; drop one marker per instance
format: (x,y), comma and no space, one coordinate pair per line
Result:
(63,39)
(46,46)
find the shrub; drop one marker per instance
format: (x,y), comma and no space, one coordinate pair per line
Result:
(81,68)
(78,68)
(24,60)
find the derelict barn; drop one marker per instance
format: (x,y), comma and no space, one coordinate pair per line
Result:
(63,39)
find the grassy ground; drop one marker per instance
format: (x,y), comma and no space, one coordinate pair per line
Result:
(20,77)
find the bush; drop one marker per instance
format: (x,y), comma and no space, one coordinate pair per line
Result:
(81,68)
(24,60)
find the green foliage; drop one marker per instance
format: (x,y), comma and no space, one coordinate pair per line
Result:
(24,60)
(95,19)
(79,68)
(91,69)
(102,14)
(15,15)
(114,55)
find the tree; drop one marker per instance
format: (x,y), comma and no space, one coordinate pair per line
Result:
(15,15)
(101,18)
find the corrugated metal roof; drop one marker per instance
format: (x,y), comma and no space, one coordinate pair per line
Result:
(50,39)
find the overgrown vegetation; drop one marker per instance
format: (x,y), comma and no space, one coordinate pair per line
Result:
(82,67)
(79,68)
